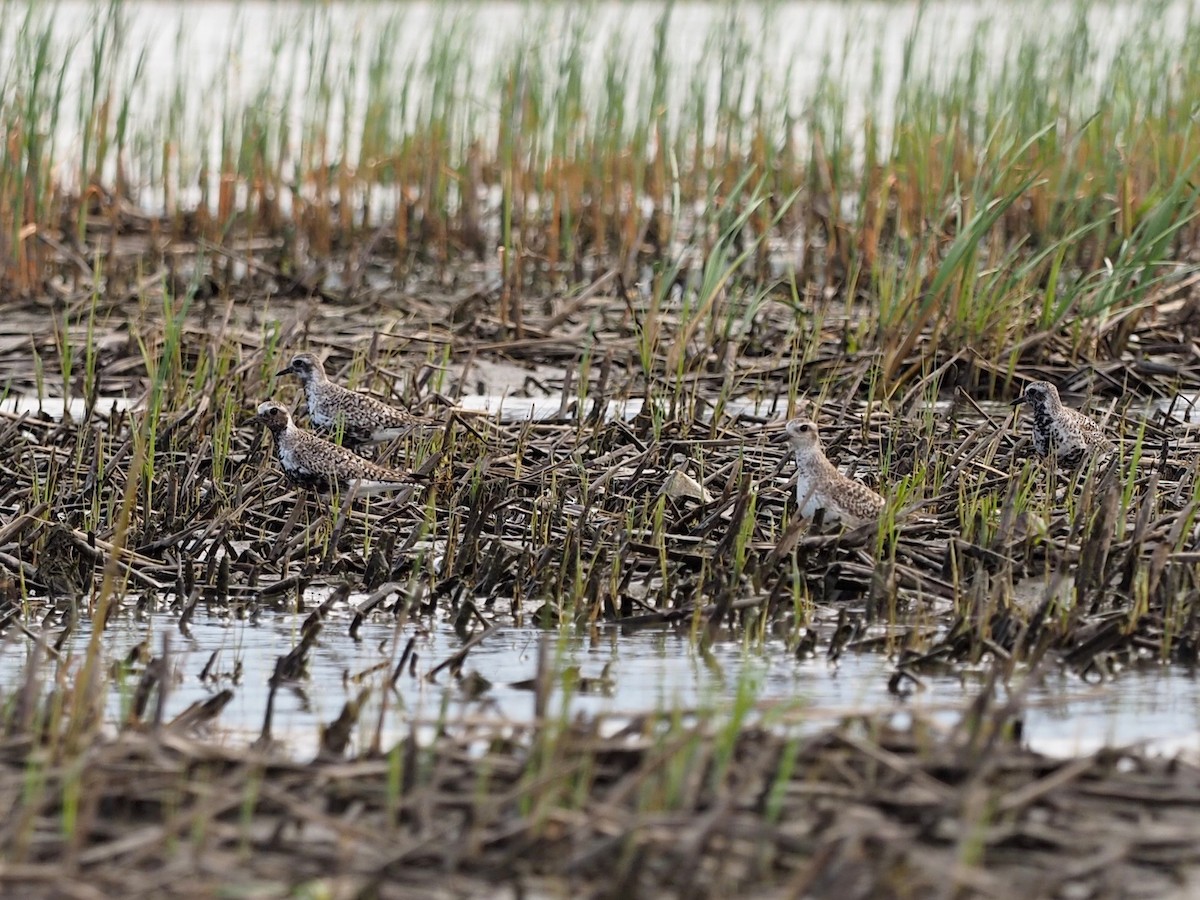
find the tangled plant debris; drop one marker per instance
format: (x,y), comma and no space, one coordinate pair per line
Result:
(662,284)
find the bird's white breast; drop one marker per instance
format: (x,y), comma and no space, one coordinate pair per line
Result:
(810,498)
(287,456)
(316,409)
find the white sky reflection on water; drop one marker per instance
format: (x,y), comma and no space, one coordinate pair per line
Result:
(649,670)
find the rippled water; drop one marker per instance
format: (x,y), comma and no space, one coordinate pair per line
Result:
(628,673)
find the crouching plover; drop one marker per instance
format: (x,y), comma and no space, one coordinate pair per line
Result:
(819,485)
(1069,435)
(311,461)
(362,419)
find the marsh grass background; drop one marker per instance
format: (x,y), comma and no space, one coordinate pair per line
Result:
(988,177)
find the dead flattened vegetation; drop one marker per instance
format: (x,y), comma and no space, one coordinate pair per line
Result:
(580,522)
(652,807)
(677,512)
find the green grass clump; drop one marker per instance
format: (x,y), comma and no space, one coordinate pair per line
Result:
(987,179)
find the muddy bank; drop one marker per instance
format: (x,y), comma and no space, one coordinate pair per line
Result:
(865,809)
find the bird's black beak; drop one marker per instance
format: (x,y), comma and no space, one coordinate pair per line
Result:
(1018,401)
(282,372)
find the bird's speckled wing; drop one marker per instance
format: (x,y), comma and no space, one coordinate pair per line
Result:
(315,456)
(361,413)
(857,500)
(1091,433)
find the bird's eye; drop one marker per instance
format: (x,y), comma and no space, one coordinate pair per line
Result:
(805,429)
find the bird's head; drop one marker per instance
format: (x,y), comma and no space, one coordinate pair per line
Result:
(802,435)
(1040,395)
(306,367)
(274,417)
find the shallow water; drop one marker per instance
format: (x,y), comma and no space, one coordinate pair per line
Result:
(1184,407)
(502,407)
(515,409)
(647,670)
(57,407)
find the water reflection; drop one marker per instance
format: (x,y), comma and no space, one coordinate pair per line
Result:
(625,673)
(56,407)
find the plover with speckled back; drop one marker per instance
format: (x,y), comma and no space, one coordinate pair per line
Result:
(820,486)
(360,418)
(311,461)
(1071,437)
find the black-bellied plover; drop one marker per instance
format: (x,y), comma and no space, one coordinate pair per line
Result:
(819,485)
(1071,437)
(359,418)
(311,461)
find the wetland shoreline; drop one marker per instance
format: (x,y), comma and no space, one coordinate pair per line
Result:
(933,591)
(861,810)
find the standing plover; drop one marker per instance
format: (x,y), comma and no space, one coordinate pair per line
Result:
(1069,435)
(311,461)
(819,485)
(360,418)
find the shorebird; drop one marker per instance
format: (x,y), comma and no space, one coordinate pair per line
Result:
(361,418)
(312,461)
(1066,433)
(819,485)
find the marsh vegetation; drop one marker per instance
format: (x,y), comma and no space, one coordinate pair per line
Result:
(669,235)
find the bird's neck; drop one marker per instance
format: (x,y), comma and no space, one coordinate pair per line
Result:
(809,461)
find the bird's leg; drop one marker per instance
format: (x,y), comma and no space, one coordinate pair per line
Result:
(335,532)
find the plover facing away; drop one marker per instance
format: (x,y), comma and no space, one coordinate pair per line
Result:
(1069,435)
(311,461)
(360,418)
(819,485)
